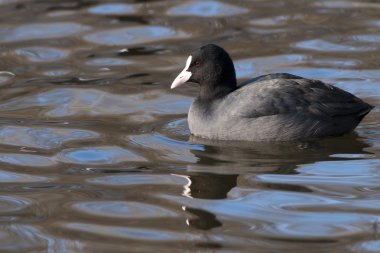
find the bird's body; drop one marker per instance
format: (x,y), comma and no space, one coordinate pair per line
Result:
(271,107)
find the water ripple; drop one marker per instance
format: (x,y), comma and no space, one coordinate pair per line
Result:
(372,246)
(6,77)
(108,62)
(327,46)
(41,31)
(347,4)
(134,35)
(76,101)
(135,180)
(27,160)
(270,214)
(145,234)
(27,238)
(42,54)
(372,38)
(271,21)
(206,9)
(166,148)
(248,68)
(11,204)
(98,155)
(113,9)
(42,137)
(122,209)
(12,177)
(56,72)
(347,181)
(342,168)
(342,178)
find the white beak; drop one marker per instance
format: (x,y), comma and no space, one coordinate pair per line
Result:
(184,76)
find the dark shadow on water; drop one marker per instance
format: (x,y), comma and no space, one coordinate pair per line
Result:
(205,220)
(282,157)
(139,51)
(84,81)
(69,5)
(135,19)
(211,186)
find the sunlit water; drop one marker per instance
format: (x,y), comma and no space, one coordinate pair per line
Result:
(95,151)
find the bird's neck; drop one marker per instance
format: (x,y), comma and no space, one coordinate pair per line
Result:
(216,90)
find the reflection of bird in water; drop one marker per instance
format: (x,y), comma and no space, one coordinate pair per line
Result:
(278,157)
(224,165)
(221,162)
(208,186)
(211,186)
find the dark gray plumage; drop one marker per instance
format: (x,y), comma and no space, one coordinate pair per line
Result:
(270,107)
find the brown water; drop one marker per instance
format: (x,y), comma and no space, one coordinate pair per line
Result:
(94,147)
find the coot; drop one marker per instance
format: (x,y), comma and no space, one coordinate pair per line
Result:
(277,106)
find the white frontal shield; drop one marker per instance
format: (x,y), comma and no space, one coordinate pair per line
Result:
(184,76)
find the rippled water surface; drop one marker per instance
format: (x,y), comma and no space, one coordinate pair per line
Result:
(95,151)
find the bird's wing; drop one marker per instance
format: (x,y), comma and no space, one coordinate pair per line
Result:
(273,96)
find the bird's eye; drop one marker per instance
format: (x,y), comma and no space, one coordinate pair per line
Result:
(197,64)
